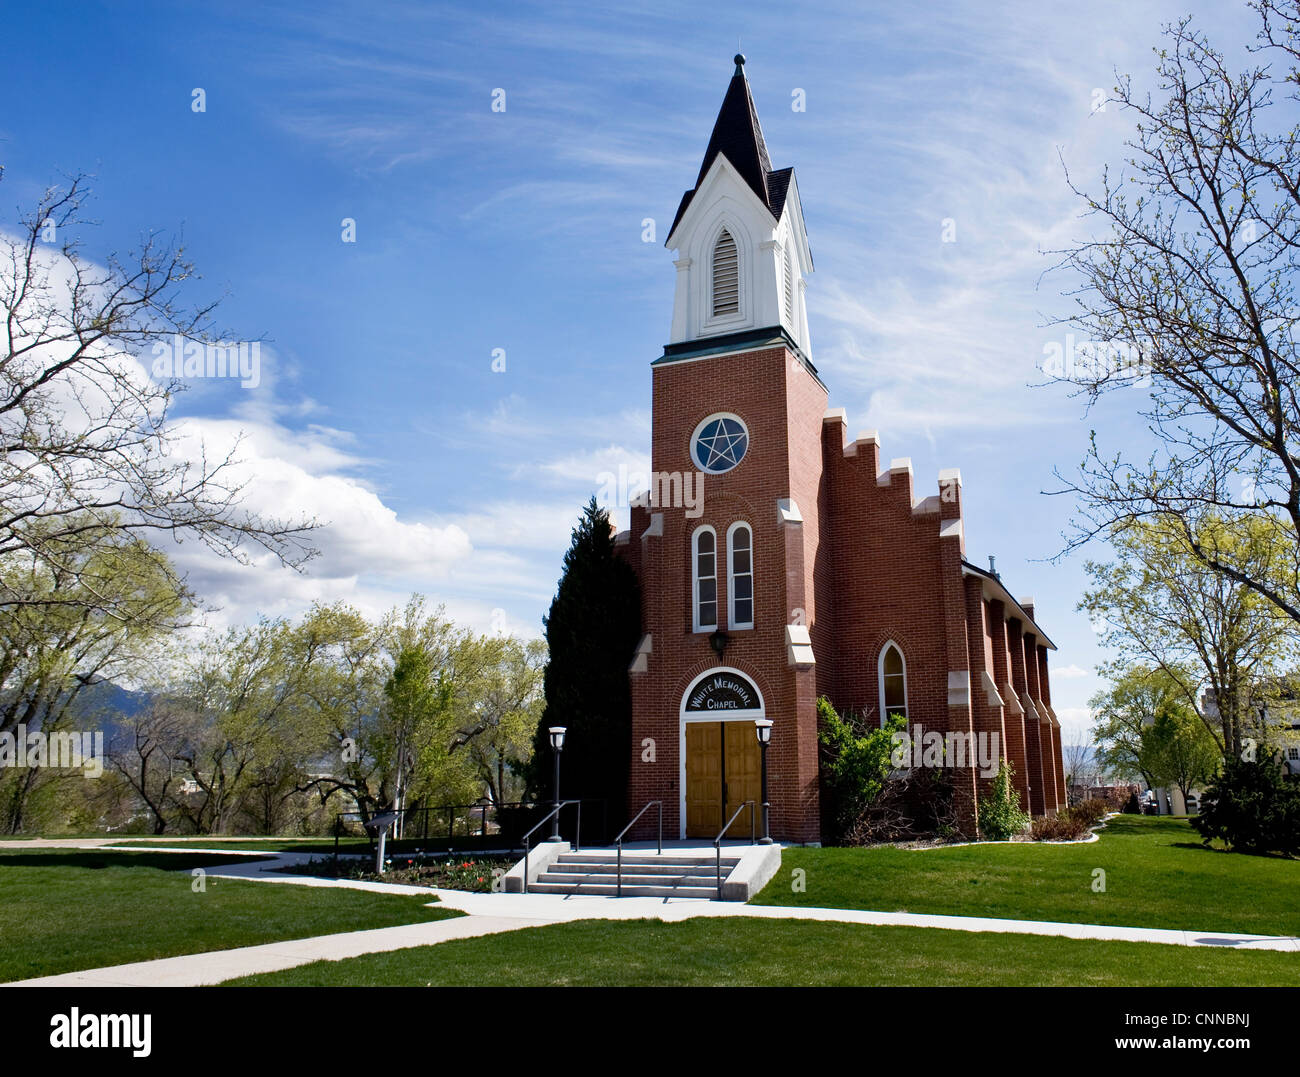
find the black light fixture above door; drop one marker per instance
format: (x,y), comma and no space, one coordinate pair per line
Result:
(718,640)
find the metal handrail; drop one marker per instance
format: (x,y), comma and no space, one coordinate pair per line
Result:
(577,838)
(456,814)
(717,842)
(618,892)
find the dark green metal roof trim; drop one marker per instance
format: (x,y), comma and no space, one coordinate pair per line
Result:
(771,336)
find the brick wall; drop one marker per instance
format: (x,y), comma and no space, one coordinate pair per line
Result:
(866,565)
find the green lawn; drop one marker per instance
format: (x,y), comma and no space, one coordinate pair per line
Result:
(1157,875)
(67,910)
(751,952)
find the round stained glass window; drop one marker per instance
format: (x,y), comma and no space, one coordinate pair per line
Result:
(719,443)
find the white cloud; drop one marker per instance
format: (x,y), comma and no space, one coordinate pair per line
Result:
(593,468)
(518,525)
(1070,672)
(1076,725)
(292,476)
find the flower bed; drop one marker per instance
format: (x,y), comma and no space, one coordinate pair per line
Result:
(475,873)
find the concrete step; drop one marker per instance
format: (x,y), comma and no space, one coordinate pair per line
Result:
(706,893)
(641,867)
(643,858)
(629,879)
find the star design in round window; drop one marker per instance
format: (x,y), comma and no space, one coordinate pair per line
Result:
(719,443)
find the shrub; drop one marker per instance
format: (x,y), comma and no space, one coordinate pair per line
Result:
(999,813)
(1132,806)
(1252,806)
(1116,799)
(1067,825)
(913,805)
(857,766)
(1071,824)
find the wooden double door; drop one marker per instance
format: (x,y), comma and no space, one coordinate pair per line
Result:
(723,770)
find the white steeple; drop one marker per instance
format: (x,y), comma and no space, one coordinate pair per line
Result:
(742,251)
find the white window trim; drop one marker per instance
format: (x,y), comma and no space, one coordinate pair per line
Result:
(880,679)
(695,579)
(732,623)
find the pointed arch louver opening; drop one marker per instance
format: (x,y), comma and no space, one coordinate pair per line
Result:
(726,276)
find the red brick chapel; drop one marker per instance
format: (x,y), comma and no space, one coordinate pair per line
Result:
(809,566)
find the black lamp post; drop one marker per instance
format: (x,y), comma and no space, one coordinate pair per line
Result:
(763,726)
(557,746)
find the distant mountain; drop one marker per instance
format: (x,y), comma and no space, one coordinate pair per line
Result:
(106,706)
(100,707)
(107,696)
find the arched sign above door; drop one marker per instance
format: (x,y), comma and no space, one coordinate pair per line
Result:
(721,691)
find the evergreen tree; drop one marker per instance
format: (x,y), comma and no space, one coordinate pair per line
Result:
(1252,806)
(591,634)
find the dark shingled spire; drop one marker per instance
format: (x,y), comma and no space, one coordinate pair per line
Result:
(738,136)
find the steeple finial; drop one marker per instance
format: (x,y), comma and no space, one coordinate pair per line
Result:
(740,63)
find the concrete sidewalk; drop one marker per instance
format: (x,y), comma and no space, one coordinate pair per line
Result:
(555,908)
(492,913)
(200,970)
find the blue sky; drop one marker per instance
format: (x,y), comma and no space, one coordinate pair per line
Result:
(378,409)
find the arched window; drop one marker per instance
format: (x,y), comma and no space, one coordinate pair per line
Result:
(893,683)
(726,276)
(740,576)
(704,571)
(789,287)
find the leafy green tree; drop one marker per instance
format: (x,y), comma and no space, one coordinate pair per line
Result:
(96,613)
(99,613)
(407,712)
(1137,698)
(346,667)
(381,700)
(276,726)
(592,631)
(1178,750)
(1160,605)
(242,703)
(417,702)
(498,713)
